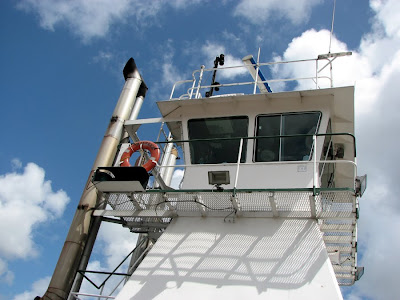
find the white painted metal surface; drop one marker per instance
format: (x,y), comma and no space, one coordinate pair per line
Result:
(209,258)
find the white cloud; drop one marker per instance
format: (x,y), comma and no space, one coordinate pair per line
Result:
(103,56)
(346,70)
(387,12)
(38,288)
(16,164)
(212,50)
(256,11)
(169,72)
(90,19)
(181,4)
(26,200)
(123,241)
(177,178)
(380,245)
(5,275)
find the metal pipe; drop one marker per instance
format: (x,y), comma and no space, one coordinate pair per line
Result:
(168,159)
(169,172)
(238,162)
(139,101)
(97,220)
(257,68)
(200,78)
(69,260)
(165,159)
(315,174)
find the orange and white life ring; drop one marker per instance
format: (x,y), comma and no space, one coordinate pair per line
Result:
(146,145)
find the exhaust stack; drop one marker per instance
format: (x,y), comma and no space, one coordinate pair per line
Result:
(81,227)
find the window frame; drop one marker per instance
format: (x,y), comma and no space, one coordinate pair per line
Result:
(245,143)
(280,133)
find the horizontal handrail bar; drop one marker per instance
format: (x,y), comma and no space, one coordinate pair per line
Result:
(293,162)
(266,137)
(293,190)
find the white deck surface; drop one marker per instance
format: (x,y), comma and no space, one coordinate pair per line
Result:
(263,258)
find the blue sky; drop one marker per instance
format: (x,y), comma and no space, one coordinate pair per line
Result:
(61,75)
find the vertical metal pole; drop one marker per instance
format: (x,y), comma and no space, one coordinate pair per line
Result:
(238,162)
(71,254)
(191,90)
(315,175)
(258,67)
(139,101)
(168,160)
(165,159)
(200,78)
(169,171)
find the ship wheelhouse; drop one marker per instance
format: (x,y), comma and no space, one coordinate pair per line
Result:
(267,200)
(277,133)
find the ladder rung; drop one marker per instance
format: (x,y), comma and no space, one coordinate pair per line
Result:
(337,227)
(338,238)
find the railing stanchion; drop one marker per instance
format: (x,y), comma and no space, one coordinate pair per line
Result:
(315,175)
(200,78)
(238,163)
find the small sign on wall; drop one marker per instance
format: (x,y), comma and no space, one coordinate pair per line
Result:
(302,168)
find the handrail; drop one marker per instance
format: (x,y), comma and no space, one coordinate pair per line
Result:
(287,162)
(313,160)
(76,294)
(240,190)
(329,57)
(264,137)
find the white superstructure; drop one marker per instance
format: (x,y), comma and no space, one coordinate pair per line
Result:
(268,203)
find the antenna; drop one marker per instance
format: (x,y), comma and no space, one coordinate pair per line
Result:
(333,20)
(219,60)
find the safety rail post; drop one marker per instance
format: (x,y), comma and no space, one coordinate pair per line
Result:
(238,163)
(315,175)
(181,82)
(257,70)
(200,78)
(192,88)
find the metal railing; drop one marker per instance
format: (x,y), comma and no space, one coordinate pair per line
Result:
(313,160)
(197,76)
(75,295)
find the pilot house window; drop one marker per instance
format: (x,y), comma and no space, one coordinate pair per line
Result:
(221,148)
(293,148)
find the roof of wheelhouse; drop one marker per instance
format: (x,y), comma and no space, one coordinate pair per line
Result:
(340,100)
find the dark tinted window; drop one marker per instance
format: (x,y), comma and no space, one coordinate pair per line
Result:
(289,148)
(217,151)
